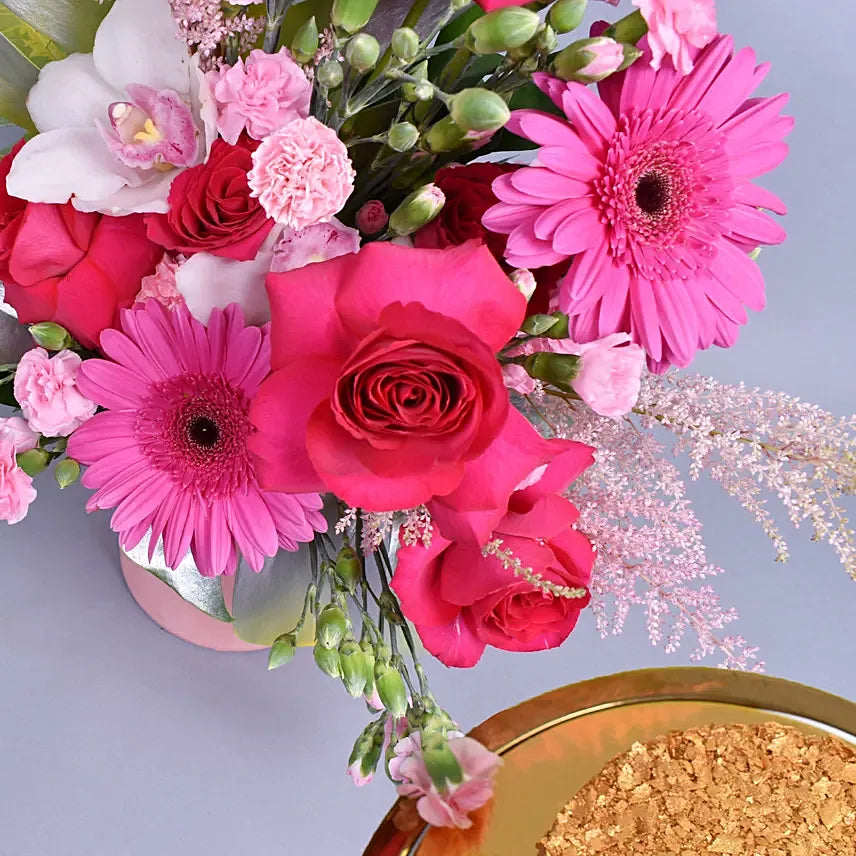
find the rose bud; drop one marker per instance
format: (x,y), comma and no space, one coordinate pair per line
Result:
(372,217)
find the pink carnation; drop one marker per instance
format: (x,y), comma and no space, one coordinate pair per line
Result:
(161,285)
(675,27)
(452,805)
(302,175)
(611,375)
(46,389)
(16,487)
(260,95)
(15,430)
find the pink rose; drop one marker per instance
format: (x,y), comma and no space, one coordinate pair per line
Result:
(372,217)
(46,389)
(385,382)
(452,805)
(461,600)
(15,430)
(610,376)
(296,248)
(302,175)
(16,487)
(675,27)
(260,95)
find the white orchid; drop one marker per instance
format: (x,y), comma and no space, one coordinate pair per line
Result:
(117,125)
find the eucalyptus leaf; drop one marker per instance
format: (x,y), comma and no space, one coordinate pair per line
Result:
(15,67)
(205,593)
(14,339)
(13,105)
(69,23)
(390,14)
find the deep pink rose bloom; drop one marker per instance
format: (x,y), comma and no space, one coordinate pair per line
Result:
(462,601)
(75,268)
(16,487)
(385,382)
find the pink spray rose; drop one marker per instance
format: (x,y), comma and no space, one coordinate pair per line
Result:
(46,389)
(261,94)
(610,376)
(452,805)
(461,600)
(15,430)
(16,487)
(675,27)
(302,175)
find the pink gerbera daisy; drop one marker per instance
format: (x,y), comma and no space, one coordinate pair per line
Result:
(649,190)
(170,451)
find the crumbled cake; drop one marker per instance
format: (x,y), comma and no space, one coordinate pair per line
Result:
(746,790)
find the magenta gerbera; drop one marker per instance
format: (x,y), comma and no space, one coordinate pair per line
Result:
(649,189)
(170,454)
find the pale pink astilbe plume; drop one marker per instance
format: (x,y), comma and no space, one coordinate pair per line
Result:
(169,452)
(760,443)
(634,509)
(411,526)
(649,189)
(204,28)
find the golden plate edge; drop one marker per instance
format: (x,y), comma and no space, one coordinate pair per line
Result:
(512,726)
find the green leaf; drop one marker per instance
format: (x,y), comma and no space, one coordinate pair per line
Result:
(205,593)
(13,106)
(268,603)
(71,24)
(459,25)
(530,97)
(35,46)
(7,397)
(298,14)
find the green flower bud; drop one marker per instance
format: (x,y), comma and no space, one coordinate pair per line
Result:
(389,606)
(327,659)
(34,462)
(422,90)
(405,44)
(417,209)
(282,650)
(629,29)
(369,665)
(445,136)
(440,761)
(543,325)
(402,136)
(305,42)
(332,626)
(589,60)
(557,369)
(478,110)
(631,54)
(353,665)
(51,336)
(566,15)
(348,568)
(502,30)
(352,15)
(546,40)
(362,52)
(330,74)
(367,748)
(391,689)
(66,472)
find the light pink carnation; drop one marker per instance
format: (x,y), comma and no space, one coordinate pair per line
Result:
(161,285)
(302,175)
(46,389)
(260,95)
(15,430)
(16,487)
(675,27)
(610,375)
(299,247)
(452,806)
(607,57)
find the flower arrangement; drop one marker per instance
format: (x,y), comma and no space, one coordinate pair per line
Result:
(398,290)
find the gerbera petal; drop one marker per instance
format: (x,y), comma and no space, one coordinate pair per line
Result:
(110,385)
(677,321)
(550,220)
(760,197)
(252,524)
(643,317)
(543,183)
(504,218)
(564,161)
(753,226)
(141,502)
(734,267)
(589,115)
(689,92)
(751,162)
(580,230)
(506,191)
(584,280)
(731,87)
(542,128)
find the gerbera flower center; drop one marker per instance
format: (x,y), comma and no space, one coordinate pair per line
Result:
(652,193)
(195,427)
(665,186)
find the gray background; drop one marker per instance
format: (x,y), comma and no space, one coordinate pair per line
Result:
(116,738)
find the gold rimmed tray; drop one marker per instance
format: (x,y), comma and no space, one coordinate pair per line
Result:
(553,744)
